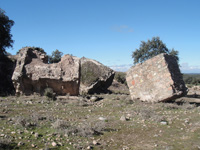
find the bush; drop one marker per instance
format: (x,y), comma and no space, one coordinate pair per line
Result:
(188,106)
(120,77)
(60,124)
(171,106)
(48,92)
(192,79)
(25,122)
(86,129)
(7,144)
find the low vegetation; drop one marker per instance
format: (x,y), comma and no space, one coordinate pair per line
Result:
(50,95)
(191,79)
(120,77)
(111,121)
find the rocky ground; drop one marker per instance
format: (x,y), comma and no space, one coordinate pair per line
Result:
(104,121)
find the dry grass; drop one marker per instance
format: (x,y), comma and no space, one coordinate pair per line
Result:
(78,123)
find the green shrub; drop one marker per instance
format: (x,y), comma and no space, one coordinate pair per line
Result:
(7,144)
(55,57)
(25,122)
(85,129)
(120,77)
(48,92)
(89,130)
(191,79)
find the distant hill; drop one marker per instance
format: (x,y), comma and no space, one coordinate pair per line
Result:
(192,78)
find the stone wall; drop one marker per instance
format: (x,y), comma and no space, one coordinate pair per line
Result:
(155,80)
(71,75)
(33,75)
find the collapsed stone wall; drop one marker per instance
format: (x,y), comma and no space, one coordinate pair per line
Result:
(71,75)
(33,74)
(155,80)
(95,77)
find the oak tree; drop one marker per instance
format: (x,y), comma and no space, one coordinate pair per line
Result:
(5,35)
(150,49)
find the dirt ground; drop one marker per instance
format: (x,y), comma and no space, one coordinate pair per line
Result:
(100,121)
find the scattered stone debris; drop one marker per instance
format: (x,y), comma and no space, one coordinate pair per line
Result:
(33,145)
(20,143)
(54,144)
(124,118)
(163,122)
(94,98)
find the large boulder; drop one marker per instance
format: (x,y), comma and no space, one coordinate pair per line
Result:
(95,77)
(156,80)
(33,74)
(71,75)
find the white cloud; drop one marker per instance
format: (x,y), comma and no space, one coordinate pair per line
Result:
(122,29)
(186,68)
(121,68)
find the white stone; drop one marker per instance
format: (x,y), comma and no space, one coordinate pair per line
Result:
(54,144)
(102,118)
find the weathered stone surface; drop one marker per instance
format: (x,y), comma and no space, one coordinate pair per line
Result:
(95,77)
(33,74)
(156,80)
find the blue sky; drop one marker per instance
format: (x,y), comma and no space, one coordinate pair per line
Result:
(107,30)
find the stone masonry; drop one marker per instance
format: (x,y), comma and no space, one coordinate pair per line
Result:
(156,80)
(33,75)
(71,75)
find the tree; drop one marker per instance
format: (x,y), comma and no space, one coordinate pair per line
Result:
(5,36)
(150,49)
(55,57)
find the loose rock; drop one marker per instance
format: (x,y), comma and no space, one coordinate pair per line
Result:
(54,144)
